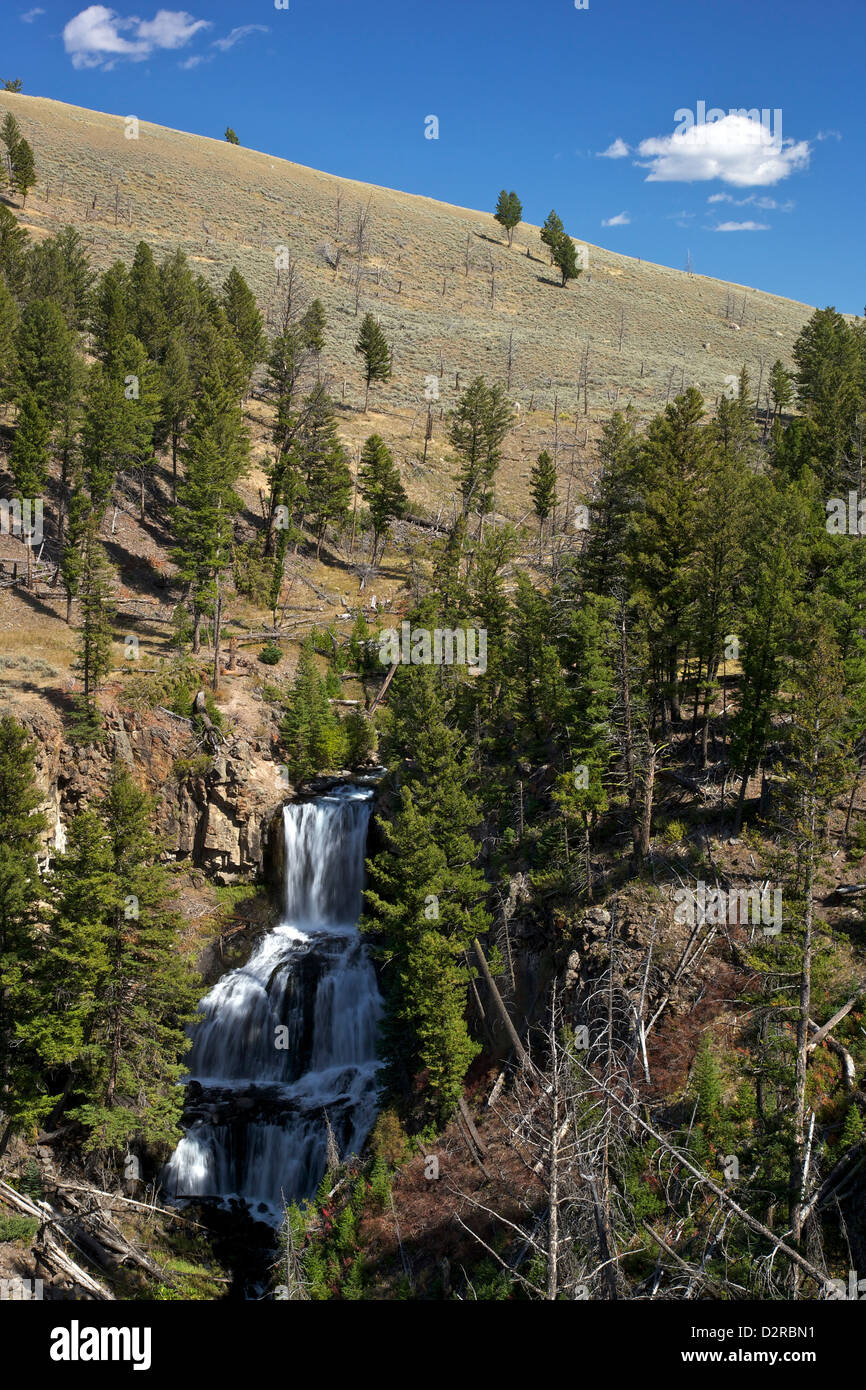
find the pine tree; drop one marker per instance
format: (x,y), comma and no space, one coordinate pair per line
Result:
(231,136)
(373,347)
(30,449)
(509,211)
(482,419)
(312,328)
(105,435)
(58,269)
(145,312)
(22,1099)
(542,490)
(44,356)
(565,258)
(125,1039)
(311,732)
(13,251)
(603,562)
(551,233)
(8,324)
(94,651)
(215,454)
(111,316)
(242,313)
(142,396)
(781,392)
(319,452)
(176,400)
(425,903)
(23,170)
(380,486)
(663,536)
(10,134)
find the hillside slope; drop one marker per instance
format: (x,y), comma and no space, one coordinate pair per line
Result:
(449,293)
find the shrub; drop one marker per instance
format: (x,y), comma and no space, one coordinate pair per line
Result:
(271,654)
(18,1227)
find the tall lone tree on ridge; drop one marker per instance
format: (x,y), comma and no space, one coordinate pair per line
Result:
(373,347)
(509,211)
(551,232)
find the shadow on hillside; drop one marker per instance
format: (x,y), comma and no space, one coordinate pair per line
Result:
(137,571)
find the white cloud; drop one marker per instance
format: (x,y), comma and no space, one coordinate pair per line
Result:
(237,34)
(829,135)
(735,149)
(223,45)
(622,219)
(29,16)
(741,227)
(764,203)
(96,37)
(618,150)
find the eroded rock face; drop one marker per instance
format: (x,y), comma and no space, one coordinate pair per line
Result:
(218,815)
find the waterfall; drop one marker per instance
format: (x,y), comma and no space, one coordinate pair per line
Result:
(290,1037)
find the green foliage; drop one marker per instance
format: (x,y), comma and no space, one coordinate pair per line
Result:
(271,654)
(312,734)
(14,1227)
(231,137)
(380,486)
(509,211)
(373,348)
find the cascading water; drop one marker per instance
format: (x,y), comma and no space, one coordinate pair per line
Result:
(287,1045)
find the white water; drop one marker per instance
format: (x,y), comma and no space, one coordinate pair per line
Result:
(291,1036)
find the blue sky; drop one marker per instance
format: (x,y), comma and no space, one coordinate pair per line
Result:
(574,109)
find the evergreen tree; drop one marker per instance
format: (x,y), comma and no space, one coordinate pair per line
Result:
(604,559)
(425,903)
(327,478)
(542,490)
(111,317)
(509,211)
(123,991)
(142,396)
(22,1098)
(482,419)
(311,732)
(13,251)
(373,348)
(231,137)
(105,435)
(312,328)
(94,651)
(58,269)
(176,400)
(781,392)
(215,454)
(565,258)
(145,314)
(30,449)
(44,356)
(242,313)
(664,533)
(551,233)
(380,486)
(23,170)
(8,324)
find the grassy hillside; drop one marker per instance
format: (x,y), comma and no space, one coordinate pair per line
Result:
(646,326)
